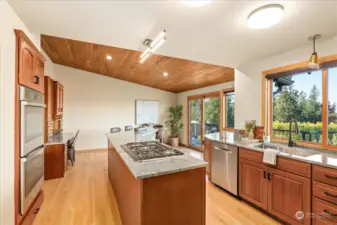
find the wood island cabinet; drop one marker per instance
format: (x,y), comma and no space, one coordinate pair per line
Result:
(208,157)
(281,193)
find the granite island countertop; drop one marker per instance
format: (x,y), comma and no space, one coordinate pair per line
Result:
(155,167)
(60,138)
(315,156)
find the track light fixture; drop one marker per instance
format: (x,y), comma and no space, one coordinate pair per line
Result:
(152,45)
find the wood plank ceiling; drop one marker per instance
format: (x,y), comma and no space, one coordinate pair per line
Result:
(183,75)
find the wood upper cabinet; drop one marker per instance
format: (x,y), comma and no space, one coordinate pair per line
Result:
(26,64)
(30,64)
(58,105)
(38,76)
(208,156)
(49,102)
(253,182)
(289,194)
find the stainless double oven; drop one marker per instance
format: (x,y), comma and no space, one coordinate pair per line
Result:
(32,145)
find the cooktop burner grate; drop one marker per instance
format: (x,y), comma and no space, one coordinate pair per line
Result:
(141,151)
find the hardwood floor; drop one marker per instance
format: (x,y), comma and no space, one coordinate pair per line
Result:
(84,197)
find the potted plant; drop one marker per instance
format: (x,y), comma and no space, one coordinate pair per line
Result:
(249,129)
(175,124)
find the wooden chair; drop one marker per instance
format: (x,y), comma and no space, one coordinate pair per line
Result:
(71,148)
(115,130)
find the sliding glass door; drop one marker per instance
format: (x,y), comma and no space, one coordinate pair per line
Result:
(211,114)
(203,118)
(195,114)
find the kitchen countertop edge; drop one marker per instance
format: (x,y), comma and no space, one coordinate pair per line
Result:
(135,167)
(250,146)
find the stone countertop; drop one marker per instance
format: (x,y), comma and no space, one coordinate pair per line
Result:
(60,138)
(155,167)
(315,156)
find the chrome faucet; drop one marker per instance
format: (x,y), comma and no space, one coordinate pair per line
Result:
(291,143)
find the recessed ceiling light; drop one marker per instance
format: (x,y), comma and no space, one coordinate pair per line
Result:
(108,57)
(165,74)
(196,3)
(265,16)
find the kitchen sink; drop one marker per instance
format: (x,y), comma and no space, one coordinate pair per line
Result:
(271,146)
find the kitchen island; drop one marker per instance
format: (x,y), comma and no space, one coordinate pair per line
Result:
(165,191)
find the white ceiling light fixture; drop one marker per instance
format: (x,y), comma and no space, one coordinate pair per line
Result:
(165,74)
(108,57)
(265,16)
(196,3)
(152,45)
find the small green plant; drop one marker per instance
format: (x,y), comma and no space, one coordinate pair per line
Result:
(250,125)
(174,122)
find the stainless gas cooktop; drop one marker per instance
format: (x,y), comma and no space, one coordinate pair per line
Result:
(148,150)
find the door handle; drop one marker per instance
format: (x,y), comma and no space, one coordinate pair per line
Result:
(264,174)
(269,176)
(222,149)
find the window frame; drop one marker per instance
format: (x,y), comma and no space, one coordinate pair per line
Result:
(267,100)
(202,97)
(224,111)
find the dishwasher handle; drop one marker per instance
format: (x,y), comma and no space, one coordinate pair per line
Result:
(223,149)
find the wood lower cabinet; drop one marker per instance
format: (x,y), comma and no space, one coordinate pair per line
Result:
(29,218)
(253,183)
(208,157)
(55,161)
(288,194)
(280,193)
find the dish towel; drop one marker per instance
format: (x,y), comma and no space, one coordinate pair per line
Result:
(269,156)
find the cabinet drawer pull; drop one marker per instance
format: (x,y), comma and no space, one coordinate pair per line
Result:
(330,177)
(264,174)
(327,193)
(36,79)
(269,175)
(329,213)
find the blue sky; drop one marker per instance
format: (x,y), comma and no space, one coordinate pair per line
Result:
(304,82)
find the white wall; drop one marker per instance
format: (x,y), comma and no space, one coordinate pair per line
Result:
(8,21)
(182,100)
(94,103)
(49,66)
(248,79)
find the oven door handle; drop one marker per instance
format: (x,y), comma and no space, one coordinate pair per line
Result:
(33,104)
(35,152)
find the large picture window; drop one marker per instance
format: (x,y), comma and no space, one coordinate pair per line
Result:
(229,100)
(332,101)
(310,98)
(298,97)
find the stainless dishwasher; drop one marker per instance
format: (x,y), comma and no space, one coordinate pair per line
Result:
(225,167)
